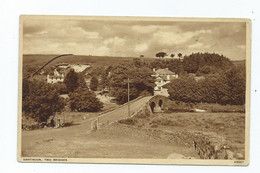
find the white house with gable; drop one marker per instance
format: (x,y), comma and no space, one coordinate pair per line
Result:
(162,77)
(55,78)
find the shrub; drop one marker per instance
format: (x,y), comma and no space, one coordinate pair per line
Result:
(128,121)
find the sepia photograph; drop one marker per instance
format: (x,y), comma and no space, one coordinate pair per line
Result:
(139,90)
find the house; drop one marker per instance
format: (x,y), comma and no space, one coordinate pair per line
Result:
(60,71)
(56,77)
(162,77)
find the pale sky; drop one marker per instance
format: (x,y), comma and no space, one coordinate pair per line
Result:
(133,38)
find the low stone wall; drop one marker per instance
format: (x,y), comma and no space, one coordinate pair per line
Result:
(207,145)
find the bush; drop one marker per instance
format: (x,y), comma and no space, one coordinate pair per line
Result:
(128,121)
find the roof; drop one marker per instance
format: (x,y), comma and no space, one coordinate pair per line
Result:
(165,71)
(161,77)
(165,78)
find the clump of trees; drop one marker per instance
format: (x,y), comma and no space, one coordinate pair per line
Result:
(226,88)
(81,98)
(195,61)
(142,83)
(40,100)
(84,100)
(161,54)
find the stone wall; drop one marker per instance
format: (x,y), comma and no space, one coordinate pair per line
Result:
(207,145)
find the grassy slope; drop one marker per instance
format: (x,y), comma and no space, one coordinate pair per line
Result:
(39,60)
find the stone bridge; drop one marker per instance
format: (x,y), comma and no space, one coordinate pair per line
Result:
(147,105)
(156,103)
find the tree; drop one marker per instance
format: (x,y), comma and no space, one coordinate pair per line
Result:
(184,89)
(141,56)
(232,86)
(93,83)
(161,54)
(179,55)
(83,100)
(40,100)
(105,77)
(81,81)
(172,55)
(71,80)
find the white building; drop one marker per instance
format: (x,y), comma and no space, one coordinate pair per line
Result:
(56,77)
(162,77)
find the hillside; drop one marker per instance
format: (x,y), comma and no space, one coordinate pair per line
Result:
(239,62)
(37,60)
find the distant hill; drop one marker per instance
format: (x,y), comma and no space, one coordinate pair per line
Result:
(37,60)
(239,62)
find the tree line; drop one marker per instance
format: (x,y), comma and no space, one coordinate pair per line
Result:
(223,88)
(223,84)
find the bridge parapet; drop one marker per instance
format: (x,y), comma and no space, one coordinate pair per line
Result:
(156,103)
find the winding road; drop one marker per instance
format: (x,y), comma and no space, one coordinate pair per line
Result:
(122,112)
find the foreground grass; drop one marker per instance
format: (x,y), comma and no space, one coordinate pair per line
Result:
(231,126)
